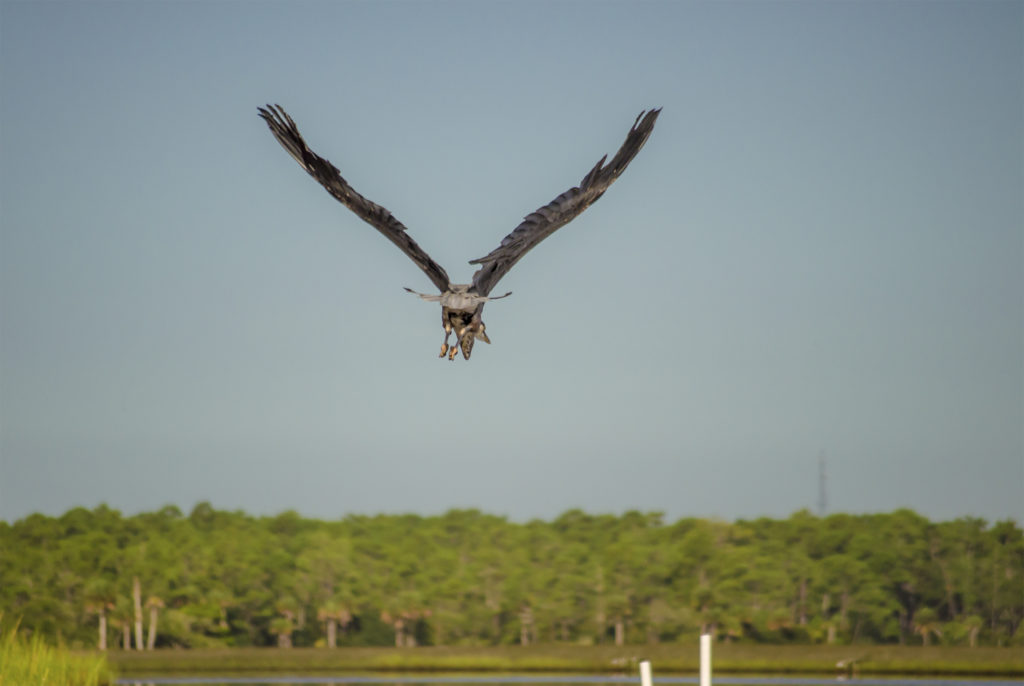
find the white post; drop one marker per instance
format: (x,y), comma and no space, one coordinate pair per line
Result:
(705,660)
(645,673)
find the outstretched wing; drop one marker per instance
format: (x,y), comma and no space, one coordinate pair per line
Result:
(540,224)
(327,174)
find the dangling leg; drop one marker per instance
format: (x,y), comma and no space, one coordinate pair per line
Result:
(447,333)
(455,348)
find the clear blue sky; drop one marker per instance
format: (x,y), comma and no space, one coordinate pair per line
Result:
(819,249)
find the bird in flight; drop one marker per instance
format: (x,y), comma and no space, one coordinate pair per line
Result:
(462,304)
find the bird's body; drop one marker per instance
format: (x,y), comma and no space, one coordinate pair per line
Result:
(461,308)
(462,304)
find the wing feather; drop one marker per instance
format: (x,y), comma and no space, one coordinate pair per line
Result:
(543,222)
(287,134)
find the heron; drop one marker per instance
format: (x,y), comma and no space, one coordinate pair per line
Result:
(462,304)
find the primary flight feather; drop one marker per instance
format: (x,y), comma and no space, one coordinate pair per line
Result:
(462,304)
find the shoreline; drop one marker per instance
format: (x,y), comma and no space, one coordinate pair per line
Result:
(559,661)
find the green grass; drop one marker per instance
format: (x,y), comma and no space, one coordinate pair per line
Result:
(31,661)
(556,659)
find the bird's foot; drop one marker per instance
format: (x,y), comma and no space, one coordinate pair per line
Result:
(444,350)
(452,352)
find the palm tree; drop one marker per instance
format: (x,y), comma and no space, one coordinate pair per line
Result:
(404,621)
(100,598)
(831,626)
(154,604)
(222,600)
(727,627)
(926,623)
(526,625)
(283,627)
(137,601)
(123,614)
(973,624)
(100,608)
(398,623)
(334,612)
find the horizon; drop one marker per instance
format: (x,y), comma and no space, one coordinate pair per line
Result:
(186,513)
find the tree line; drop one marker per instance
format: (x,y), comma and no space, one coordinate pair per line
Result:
(95,578)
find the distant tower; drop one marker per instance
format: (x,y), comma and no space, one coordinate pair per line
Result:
(822,502)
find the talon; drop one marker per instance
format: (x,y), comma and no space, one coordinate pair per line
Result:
(452,352)
(444,349)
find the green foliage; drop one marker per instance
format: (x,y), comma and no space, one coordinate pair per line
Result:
(215,578)
(32,661)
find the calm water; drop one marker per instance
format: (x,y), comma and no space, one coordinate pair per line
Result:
(561,680)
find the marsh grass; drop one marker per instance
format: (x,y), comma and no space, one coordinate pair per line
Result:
(563,659)
(32,661)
